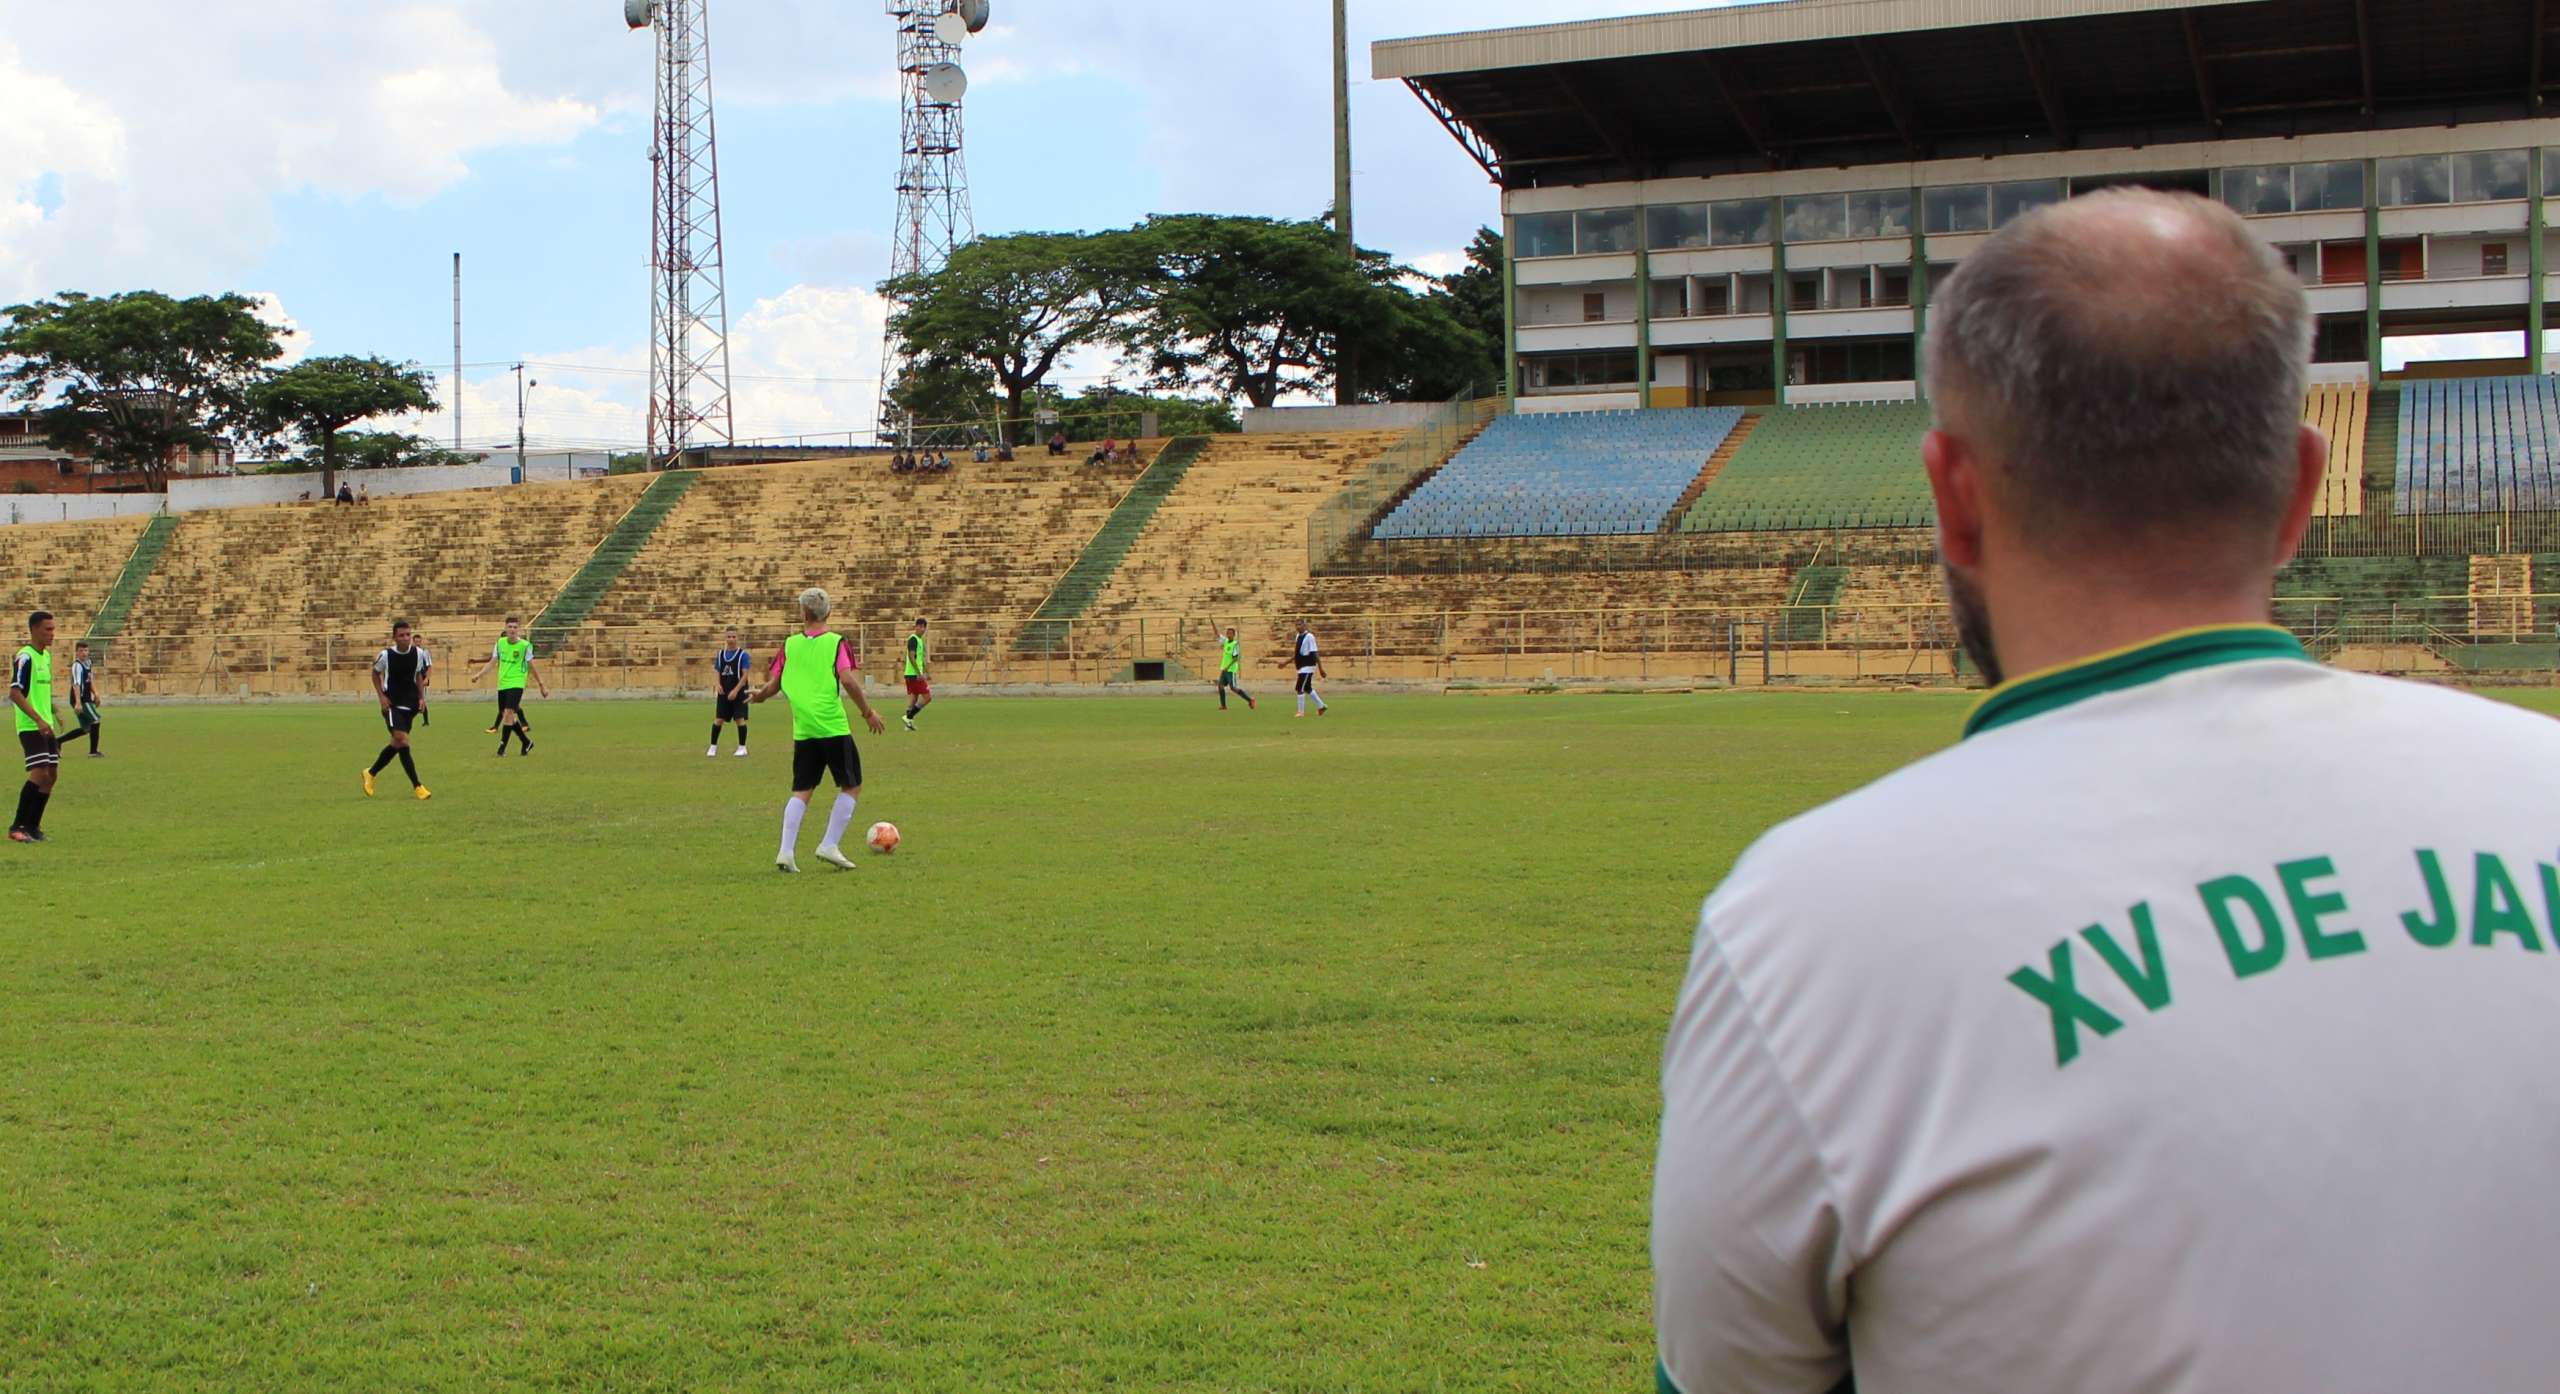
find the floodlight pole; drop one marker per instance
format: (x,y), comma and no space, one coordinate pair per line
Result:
(689,398)
(1345,363)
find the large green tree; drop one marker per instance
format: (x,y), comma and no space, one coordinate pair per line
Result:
(1472,295)
(138,379)
(1006,309)
(378,450)
(319,398)
(1256,307)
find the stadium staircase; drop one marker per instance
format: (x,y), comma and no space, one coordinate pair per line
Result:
(2381,445)
(1725,452)
(1094,566)
(1230,544)
(611,557)
(138,566)
(1817,587)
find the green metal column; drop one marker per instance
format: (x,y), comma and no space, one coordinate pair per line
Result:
(2372,275)
(1919,300)
(1778,300)
(2533,262)
(1644,328)
(1510,316)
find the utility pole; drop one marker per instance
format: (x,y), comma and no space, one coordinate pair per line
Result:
(520,423)
(1346,362)
(457,353)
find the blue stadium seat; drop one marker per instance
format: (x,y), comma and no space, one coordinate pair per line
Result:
(1566,474)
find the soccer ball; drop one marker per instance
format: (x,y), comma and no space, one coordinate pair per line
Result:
(883,838)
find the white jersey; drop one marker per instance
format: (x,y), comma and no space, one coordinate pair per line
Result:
(2188,1028)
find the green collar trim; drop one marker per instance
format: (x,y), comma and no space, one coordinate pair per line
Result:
(2185,651)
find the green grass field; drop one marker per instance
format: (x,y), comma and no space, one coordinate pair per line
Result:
(1174,1051)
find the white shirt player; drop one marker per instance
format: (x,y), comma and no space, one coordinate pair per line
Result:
(2167,1034)
(1307,652)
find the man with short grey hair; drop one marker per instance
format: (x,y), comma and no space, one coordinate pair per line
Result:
(2183,1028)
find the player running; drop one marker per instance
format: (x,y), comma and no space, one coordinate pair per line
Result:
(400,678)
(1230,670)
(31,693)
(816,669)
(919,681)
(1310,661)
(512,656)
(84,695)
(736,669)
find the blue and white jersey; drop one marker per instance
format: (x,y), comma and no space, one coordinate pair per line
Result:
(733,665)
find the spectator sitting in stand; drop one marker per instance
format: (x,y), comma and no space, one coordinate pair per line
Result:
(1057,442)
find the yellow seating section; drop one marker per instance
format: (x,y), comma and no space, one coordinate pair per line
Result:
(2339,411)
(66,568)
(1231,540)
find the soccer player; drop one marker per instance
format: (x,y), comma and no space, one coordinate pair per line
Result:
(31,693)
(919,680)
(1230,670)
(84,697)
(1310,662)
(736,670)
(512,656)
(2199,980)
(400,678)
(816,669)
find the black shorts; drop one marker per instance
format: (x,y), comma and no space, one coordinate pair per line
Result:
(510,699)
(1228,679)
(399,718)
(725,708)
(1306,680)
(43,751)
(833,754)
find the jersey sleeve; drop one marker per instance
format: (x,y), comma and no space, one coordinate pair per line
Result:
(846,663)
(382,662)
(1750,1280)
(22,675)
(776,674)
(426,660)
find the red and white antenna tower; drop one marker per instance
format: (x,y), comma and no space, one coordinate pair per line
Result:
(689,403)
(933,174)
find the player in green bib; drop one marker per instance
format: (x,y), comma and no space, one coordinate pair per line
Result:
(919,680)
(816,670)
(1231,669)
(31,694)
(513,658)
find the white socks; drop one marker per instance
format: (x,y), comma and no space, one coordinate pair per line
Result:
(793,810)
(1302,704)
(838,819)
(1319,700)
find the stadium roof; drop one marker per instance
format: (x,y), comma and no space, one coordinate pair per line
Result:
(1799,83)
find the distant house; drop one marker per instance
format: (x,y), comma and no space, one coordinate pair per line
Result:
(29,457)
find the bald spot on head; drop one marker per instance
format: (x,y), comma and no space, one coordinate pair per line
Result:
(2130,368)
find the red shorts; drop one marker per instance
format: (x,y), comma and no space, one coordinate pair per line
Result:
(918,687)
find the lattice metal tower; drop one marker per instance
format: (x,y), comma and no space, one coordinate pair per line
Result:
(689,402)
(933,175)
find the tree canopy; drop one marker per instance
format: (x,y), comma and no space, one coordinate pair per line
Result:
(136,379)
(319,398)
(1004,310)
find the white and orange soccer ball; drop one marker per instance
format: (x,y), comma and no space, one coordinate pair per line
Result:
(883,838)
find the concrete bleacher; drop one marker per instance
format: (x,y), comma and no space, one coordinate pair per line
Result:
(66,568)
(314,587)
(1427,616)
(1565,474)
(986,540)
(1851,465)
(2478,445)
(1231,540)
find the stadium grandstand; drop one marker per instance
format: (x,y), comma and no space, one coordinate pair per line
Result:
(1721,228)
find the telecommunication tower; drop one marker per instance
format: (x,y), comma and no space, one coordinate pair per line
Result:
(689,402)
(933,175)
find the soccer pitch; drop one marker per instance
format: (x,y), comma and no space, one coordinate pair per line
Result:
(1174,1050)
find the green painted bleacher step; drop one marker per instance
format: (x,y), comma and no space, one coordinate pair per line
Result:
(1816,589)
(577,599)
(118,606)
(1094,567)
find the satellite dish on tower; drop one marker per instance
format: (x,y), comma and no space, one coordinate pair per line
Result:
(975,13)
(950,28)
(638,13)
(945,83)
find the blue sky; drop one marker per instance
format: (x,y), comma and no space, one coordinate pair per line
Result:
(334,157)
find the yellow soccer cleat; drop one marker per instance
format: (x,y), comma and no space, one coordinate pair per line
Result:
(368,784)
(423,795)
